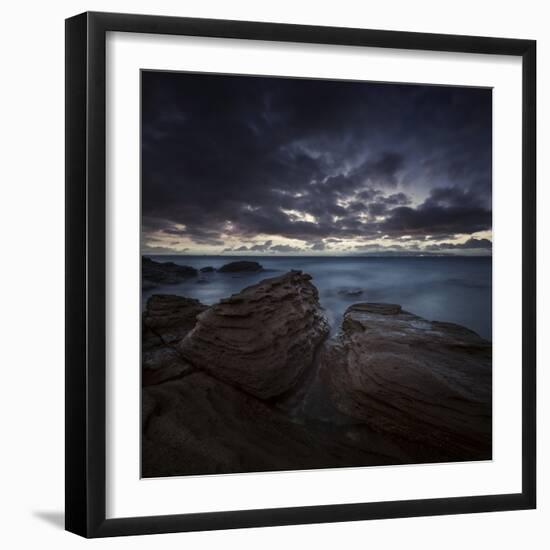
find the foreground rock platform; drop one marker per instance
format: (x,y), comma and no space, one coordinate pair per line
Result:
(224,386)
(424,385)
(200,425)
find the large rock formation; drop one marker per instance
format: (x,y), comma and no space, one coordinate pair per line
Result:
(165,321)
(164,272)
(424,386)
(261,339)
(251,384)
(200,425)
(243,265)
(204,418)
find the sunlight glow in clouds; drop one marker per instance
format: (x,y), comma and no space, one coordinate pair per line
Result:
(256,165)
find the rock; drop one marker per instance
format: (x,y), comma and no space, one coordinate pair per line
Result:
(350,292)
(207,269)
(165,321)
(423,386)
(164,272)
(262,338)
(171,317)
(200,425)
(234,267)
(251,384)
(161,363)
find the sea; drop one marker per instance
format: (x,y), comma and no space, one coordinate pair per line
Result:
(455,289)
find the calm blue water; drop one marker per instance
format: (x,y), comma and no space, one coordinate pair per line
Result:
(454,289)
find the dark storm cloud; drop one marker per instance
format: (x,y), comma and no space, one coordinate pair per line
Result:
(319,245)
(380,206)
(286,248)
(312,160)
(446,211)
(261,247)
(158,250)
(470,244)
(382,170)
(393,250)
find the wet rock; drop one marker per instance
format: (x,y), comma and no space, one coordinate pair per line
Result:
(423,386)
(165,321)
(171,317)
(235,267)
(164,272)
(350,292)
(262,338)
(161,363)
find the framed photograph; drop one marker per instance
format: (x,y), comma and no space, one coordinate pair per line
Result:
(300,274)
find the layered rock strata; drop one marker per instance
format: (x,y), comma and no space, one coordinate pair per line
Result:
(262,338)
(253,384)
(424,385)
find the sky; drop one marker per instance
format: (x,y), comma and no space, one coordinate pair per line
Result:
(247,165)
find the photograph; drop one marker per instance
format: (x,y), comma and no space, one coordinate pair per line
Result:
(292,287)
(316,273)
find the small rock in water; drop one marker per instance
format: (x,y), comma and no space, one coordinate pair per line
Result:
(164,272)
(243,265)
(351,292)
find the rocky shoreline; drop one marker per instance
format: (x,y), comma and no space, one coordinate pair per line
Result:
(253,383)
(154,273)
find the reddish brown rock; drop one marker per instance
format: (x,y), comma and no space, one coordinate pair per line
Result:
(262,338)
(200,425)
(423,385)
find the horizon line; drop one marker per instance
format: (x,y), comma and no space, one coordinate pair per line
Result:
(385,256)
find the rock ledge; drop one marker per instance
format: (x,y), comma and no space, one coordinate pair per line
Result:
(424,384)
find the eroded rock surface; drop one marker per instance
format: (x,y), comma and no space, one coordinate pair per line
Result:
(261,339)
(165,321)
(424,386)
(252,384)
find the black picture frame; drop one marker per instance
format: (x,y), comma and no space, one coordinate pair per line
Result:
(86,263)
